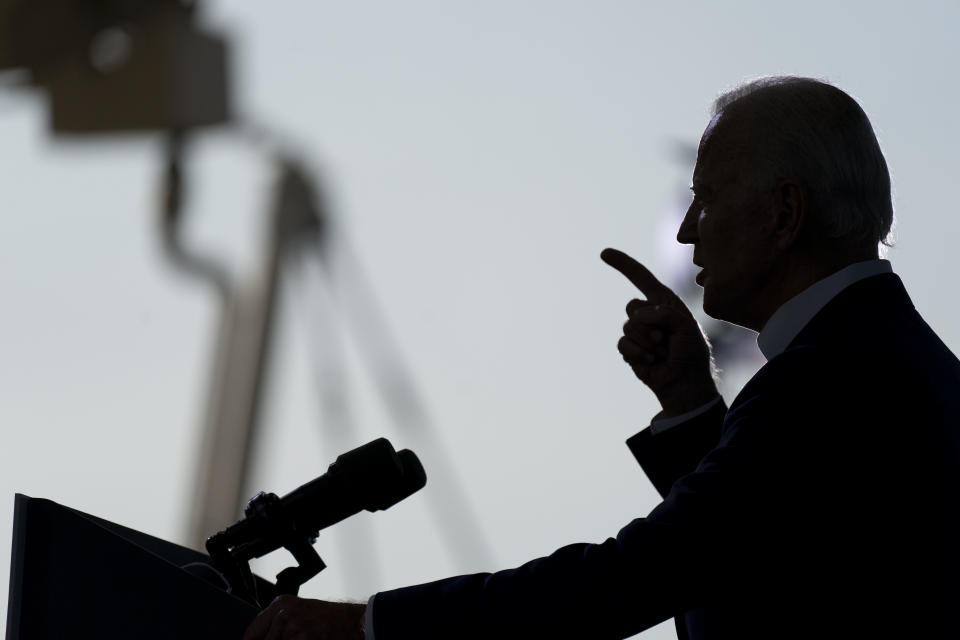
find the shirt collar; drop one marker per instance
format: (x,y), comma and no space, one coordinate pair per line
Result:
(794,314)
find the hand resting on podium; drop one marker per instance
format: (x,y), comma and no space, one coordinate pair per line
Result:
(293,618)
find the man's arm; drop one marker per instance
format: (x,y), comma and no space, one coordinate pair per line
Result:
(723,531)
(668,351)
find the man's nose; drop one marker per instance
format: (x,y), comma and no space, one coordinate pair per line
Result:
(687,234)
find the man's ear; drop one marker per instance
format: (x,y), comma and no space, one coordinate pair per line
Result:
(790,206)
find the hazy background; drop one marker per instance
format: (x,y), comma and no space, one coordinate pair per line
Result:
(478,157)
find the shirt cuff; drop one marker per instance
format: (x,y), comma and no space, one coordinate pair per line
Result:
(661,425)
(368,620)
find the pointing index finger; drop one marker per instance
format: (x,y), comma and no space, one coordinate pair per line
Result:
(638,274)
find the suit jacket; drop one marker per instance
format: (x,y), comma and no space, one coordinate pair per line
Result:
(824,503)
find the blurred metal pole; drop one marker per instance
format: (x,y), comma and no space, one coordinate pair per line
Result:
(449,502)
(299,220)
(243,344)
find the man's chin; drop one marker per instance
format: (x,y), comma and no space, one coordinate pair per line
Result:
(709,305)
(714,307)
(722,309)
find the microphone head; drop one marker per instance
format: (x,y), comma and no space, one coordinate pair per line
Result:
(372,477)
(412,479)
(377,475)
(414,476)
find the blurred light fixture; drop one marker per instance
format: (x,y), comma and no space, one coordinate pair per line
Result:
(118,65)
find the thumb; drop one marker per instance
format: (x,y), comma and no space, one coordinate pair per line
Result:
(660,315)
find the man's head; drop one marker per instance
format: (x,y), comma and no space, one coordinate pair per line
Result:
(790,185)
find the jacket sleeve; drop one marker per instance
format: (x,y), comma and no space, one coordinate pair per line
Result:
(666,457)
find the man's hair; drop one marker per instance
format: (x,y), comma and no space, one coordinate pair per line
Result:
(811,131)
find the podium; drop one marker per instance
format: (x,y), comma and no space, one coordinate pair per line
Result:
(73,575)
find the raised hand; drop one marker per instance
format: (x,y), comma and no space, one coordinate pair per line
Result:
(662,341)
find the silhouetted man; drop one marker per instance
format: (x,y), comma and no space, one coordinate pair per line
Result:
(825,501)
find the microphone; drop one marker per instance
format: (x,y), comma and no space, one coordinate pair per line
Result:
(372,477)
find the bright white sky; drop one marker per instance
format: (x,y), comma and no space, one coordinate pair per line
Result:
(479,156)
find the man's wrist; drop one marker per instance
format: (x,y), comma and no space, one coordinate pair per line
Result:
(659,424)
(686,399)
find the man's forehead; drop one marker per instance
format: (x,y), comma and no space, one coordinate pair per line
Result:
(707,133)
(715,156)
(710,128)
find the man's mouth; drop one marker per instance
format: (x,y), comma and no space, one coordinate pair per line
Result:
(700,277)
